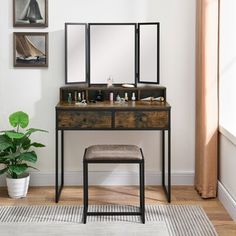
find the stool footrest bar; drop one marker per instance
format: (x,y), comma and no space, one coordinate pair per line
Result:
(112,213)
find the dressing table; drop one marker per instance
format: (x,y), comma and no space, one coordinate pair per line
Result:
(106,115)
(101,54)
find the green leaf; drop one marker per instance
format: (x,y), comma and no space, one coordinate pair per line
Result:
(5,142)
(11,156)
(25,143)
(3,170)
(38,145)
(5,162)
(19,118)
(33,130)
(18,169)
(14,135)
(28,156)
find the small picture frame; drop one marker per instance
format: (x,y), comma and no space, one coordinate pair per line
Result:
(30,13)
(30,49)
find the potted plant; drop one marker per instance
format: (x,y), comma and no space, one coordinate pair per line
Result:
(16,154)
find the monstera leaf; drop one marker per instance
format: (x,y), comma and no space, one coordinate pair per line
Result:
(19,118)
(4,142)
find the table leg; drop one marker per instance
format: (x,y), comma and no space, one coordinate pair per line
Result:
(62,158)
(167,188)
(163,158)
(58,188)
(169,165)
(56,168)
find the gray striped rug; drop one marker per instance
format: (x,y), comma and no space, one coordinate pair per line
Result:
(181,220)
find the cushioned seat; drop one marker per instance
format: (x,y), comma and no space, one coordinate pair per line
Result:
(113,152)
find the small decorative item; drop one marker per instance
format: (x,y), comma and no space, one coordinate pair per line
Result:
(30,13)
(79,97)
(69,98)
(16,154)
(30,49)
(99,96)
(111,96)
(133,97)
(160,99)
(126,97)
(118,98)
(109,82)
(75,96)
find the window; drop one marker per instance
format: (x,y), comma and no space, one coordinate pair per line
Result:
(227,67)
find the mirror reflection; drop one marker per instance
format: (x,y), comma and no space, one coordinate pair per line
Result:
(112,53)
(75,53)
(149,53)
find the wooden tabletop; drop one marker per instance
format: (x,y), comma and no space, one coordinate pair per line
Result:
(114,105)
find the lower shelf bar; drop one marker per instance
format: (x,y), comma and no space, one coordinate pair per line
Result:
(112,213)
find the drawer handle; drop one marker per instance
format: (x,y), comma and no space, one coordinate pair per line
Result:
(142,118)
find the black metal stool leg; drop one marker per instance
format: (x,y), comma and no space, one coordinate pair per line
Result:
(85,190)
(142,192)
(140,188)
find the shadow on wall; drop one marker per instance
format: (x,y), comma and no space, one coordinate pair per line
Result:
(44,109)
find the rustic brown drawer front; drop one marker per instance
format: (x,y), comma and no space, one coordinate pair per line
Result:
(141,120)
(84,120)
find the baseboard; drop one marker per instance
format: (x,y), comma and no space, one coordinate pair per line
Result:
(227,200)
(107,178)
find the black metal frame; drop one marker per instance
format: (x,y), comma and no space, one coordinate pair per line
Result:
(86,53)
(141,187)
(89,51)
(158,52)
(167,189)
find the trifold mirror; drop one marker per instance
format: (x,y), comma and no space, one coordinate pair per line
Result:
(121,53)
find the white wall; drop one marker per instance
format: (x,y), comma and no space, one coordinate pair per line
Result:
(36,91)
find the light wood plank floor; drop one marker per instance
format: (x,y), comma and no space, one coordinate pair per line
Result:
(224,225)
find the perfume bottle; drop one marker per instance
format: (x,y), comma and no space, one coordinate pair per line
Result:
(111,96)
(75,96)
(109,82)
(133,97)
(118,99)
(99,96)
(126,97)
(83,96)
(69,98)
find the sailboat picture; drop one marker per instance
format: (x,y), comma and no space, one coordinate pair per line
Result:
(30,13)
(30,49)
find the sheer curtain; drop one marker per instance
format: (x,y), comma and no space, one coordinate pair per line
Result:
(206,153)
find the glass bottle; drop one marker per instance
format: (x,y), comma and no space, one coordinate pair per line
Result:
(69,98)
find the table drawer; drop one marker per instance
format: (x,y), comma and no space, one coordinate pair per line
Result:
(141,119)
(85,119)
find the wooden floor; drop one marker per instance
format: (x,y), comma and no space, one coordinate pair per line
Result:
(224,225)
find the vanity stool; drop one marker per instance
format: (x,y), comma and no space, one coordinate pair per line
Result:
(121,154)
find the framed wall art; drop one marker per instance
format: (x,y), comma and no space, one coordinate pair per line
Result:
(30,49)
(30,13)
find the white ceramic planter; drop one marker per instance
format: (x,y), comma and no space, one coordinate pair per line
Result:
(18,188)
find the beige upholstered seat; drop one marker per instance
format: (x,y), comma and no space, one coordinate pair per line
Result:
(113,152)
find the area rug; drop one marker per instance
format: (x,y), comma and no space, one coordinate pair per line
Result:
(179,220)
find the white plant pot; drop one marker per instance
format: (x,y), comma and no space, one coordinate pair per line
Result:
(18,188)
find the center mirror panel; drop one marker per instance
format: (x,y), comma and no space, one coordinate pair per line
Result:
(112,53)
